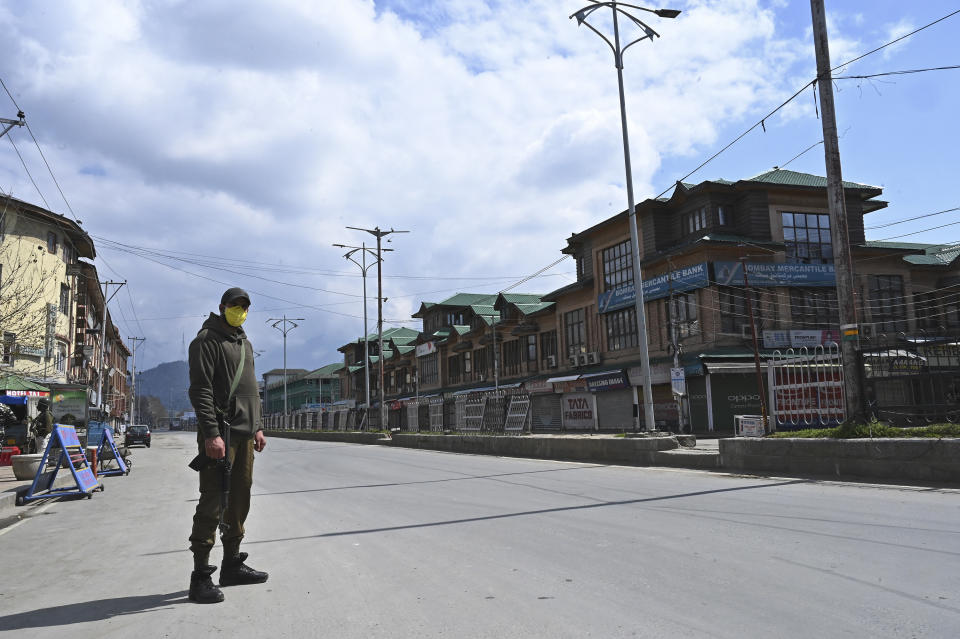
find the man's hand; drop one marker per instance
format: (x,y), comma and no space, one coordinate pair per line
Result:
(259,441)
(214,447)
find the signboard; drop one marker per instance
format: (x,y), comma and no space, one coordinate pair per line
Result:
(611,380)
(679,280)
(539,386)
(749,425)
(30,351)
(67,401)
(427,348)
(579,411)
(774,274)
(66,448)
(678,381)
(797,338)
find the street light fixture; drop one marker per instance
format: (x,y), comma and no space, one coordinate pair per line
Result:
(366,334)
(620,9)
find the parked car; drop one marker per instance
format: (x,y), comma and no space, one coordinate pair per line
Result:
(137,435)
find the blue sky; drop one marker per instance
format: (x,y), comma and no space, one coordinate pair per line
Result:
(247,136)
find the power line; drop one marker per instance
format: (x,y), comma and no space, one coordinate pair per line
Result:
(910,219)
(906,72)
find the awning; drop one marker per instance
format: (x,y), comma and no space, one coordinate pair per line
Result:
(22,386)
(733,367)
(13,401)
(566,378)
(473,390)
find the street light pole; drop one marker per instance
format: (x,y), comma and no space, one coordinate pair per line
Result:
(103,341)
(133,381)
(376,232)
(616,10)
(281,325)
(366,342)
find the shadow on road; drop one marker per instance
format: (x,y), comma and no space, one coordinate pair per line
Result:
(86,611)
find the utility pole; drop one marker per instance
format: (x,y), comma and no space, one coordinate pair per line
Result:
(281,325)
(756,346)
(376,232)
(133,381)
(20,121)
(675,345)
(103,340)
(366,333)
(839,233)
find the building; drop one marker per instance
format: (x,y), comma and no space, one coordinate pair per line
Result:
(724,264)
(51,311)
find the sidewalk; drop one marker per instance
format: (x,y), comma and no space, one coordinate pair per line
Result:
(10,486)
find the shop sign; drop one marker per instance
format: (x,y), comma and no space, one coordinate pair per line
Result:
(679,281)
(907,365)
(607,381)
(774,274)
(27,393)
(539,386)
(31,351)
(798,338)
(571,386)
(69,402)
(427,348)
(579,411)
(678,381)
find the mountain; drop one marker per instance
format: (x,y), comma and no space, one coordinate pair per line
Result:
(168,382)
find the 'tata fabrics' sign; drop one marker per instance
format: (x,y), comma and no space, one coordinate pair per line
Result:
(579,411)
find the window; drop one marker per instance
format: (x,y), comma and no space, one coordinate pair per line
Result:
(807,238)
(480,362)
(548,345)
(511,357)
(69,255)
(936,310)
(531,354)
(682,313)
(621,329)
(734,312)
(814,308)
(887,303)
(575,325)
(617,266)
(64,299)
(51,242)
(453,369)
(694,221)
(429,373)
(723,216)
(466,362)
(9,339)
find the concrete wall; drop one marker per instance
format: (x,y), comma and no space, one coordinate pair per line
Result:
(935,460)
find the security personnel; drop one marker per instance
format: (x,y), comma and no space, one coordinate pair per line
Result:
(222,380)
(43,422)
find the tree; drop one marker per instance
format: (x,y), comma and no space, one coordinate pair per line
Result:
(150,410)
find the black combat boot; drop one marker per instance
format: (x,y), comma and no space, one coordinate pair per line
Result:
(233,572)
(202,589)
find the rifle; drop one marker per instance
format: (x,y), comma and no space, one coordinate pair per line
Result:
(201,461)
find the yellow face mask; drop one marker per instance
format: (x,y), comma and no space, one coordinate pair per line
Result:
(236,315)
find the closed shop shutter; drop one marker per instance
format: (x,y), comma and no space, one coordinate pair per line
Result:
(545,412)
(615,409)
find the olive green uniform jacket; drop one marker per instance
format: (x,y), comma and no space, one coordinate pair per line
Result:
(214,358)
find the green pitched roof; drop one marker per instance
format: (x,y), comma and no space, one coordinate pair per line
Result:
(17,383)
(469,299)
(329,369)
(794,178)
(932,254)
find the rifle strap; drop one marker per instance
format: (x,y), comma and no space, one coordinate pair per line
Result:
(236,380)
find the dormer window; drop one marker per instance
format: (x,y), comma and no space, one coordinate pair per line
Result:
(694,221)
(723,215)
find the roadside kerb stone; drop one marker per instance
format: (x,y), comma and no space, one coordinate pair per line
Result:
(599,449)
(918,459)
(329,436)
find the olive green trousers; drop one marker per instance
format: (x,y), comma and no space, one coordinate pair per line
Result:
(207,515)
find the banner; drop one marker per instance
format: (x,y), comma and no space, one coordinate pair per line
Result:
(774,274)
(679,280)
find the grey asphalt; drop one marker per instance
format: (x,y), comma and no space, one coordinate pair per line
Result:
(373,541)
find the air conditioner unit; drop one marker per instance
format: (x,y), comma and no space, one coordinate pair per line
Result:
(593,358)
(582,359)
(746,332)
(572,360)
(551,361)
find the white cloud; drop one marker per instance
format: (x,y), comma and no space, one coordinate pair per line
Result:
(490,130)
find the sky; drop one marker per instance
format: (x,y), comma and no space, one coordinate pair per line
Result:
(207,144)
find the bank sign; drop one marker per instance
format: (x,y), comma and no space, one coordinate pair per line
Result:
(774,274)
(679,281)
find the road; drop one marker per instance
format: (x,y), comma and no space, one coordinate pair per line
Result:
(371,541)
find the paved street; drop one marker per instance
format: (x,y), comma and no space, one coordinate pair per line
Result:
(370,541)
